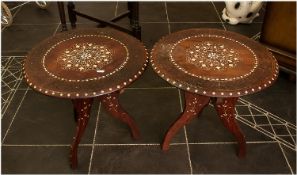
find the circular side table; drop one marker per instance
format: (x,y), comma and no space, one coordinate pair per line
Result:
(84,64)
(216,65)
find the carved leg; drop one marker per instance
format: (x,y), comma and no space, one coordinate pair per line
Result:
(112,105)
(194,104)
(133,7)
(226,111)
(71,14)
(62,15)
(82,109)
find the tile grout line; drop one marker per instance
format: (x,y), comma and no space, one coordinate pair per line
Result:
(94,139)
(167,16)
(136,144)
(18,6)
(116,9)
(56,30)
(14,116)
(180,101)
(215,8)
(186,135)
(286,159)
(188,150)
(254,37)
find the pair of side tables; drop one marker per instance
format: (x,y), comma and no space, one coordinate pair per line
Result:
(207,64)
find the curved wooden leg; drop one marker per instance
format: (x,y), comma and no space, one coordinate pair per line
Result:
(82,109)
(226,110)
(112,105)
(194,104)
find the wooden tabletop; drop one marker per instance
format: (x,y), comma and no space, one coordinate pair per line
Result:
(214,62)
(85,63)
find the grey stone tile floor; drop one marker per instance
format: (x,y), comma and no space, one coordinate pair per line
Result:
(37,130)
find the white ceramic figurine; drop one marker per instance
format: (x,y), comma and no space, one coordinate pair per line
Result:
(241,12)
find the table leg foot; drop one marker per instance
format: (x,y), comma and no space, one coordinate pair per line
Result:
(82,109)
(112,105)
(226,111)
(194,104)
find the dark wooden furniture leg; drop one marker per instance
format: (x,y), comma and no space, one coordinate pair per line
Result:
(133,7)
(194,104)
(71,14)
(62,15)
(226,111)
(82,110)
(112,105)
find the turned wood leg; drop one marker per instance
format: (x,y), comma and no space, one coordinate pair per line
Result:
(112,105)
(194,104)
(226,111)
(82,109)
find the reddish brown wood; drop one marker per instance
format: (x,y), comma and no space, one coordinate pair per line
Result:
(226,111)
(84,64)
(194,105)
(82,109)
(214,62)
(49,74)
(112,105)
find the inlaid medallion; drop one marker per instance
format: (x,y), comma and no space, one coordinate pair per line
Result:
(211,56)
(85,56)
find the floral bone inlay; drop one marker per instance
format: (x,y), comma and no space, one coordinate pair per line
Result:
(84,57)
(211,56)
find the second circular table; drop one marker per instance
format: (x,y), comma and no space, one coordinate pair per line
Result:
(211,64)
